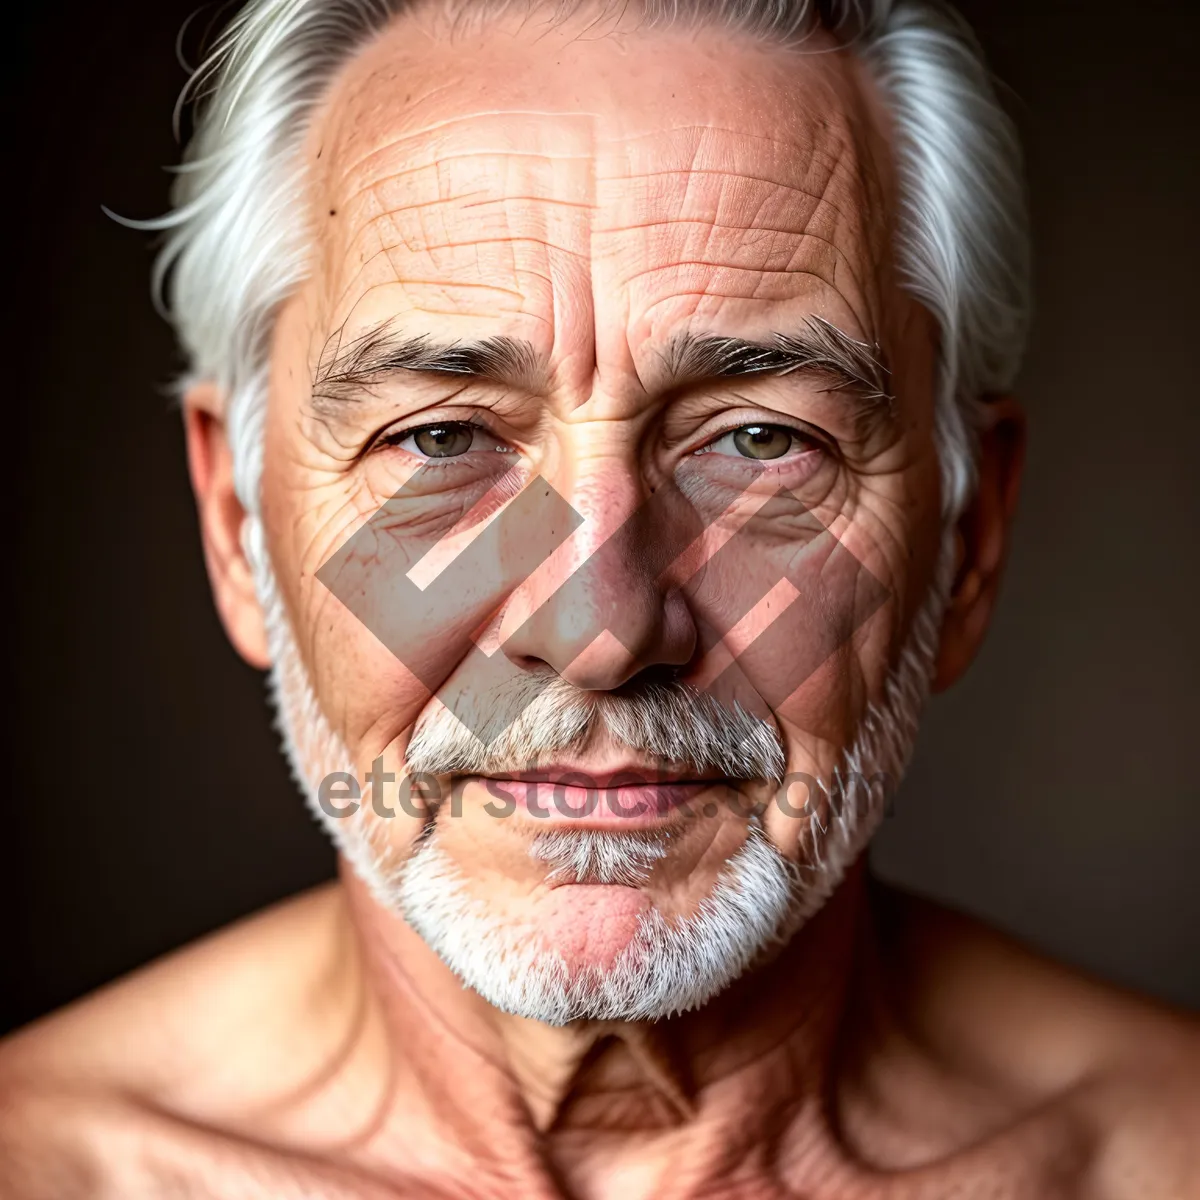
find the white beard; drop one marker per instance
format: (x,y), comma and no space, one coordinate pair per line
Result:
(759,900)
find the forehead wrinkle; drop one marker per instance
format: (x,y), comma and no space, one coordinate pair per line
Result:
(457,310)
(407,280)
(715,277)
(689,173)
(749,184)
(798,236)
(446,194)
(513,305)
(453,180)
(386,250)
(744,259)
(790,151)
(713,293)
(435,167)
(826,165)
(472,120)
(807,167)
(515,239)
(838,176)
(450,206)
(422,137)
(515,219)
(361,97)
(762,230)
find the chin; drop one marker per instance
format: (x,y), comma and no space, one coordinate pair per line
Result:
(600,951)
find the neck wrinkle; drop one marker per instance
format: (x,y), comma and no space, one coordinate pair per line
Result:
(524,1099)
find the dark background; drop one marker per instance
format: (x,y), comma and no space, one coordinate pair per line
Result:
(1055,790)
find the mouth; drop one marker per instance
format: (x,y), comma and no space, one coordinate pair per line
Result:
(632,796)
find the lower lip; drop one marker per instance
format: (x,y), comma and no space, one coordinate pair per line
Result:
(622,807)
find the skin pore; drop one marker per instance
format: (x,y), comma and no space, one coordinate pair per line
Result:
(596,194)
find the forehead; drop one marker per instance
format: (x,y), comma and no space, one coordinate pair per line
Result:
(596,196)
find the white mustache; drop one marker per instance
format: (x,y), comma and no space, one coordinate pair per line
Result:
(671,722)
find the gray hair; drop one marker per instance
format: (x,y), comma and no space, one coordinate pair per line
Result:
(236,245)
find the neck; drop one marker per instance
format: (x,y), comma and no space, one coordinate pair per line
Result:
(551,1104)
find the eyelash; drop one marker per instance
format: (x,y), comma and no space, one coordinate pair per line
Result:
(394,438)
(806,436)
(402,435)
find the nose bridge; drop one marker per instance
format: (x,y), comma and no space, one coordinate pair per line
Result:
(608,496)
(603,612)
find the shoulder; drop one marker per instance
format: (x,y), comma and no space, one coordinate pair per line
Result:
(72,1144)
(1124,1067)
(166,1054)
(265,973)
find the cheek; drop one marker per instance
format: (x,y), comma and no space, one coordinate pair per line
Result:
(882,579)
(367,694)
(782,599)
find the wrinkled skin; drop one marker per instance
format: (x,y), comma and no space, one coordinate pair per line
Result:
(541,205)
(597,196)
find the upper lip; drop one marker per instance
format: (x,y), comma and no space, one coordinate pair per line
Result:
(626,775)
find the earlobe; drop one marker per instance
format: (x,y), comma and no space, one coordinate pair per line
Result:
(210,464)
(982,539)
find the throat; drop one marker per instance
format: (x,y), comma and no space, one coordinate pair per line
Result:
(631,1082)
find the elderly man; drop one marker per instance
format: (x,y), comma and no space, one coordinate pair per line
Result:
(599,426)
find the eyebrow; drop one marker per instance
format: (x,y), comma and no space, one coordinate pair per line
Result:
(818,348)
(345,372)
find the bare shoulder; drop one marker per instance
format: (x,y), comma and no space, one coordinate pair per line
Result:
(179,1044)
(170,1017)
(1126,1068)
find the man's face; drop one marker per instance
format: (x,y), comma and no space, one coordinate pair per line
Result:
(609,206)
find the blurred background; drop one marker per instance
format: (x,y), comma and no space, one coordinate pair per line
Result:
(1054,791)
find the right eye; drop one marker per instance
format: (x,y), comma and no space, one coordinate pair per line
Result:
(447,439)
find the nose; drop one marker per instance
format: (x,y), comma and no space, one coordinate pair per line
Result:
(604,609)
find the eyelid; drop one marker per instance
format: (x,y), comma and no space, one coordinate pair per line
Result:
(793,425)
(391,436)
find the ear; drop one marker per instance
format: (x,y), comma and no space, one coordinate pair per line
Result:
(210,463)
(982,539)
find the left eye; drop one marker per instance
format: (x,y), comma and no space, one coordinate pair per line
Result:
(756,441)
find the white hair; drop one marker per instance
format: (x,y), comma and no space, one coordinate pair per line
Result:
(237,243)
